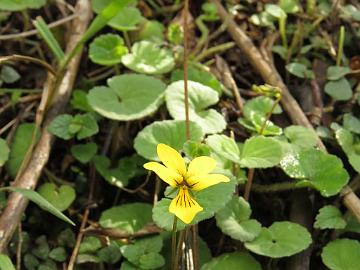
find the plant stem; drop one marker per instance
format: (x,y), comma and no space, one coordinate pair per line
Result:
(213,50)
(282,29)
(173,244)
(340,45)
(186,92)
(310,6)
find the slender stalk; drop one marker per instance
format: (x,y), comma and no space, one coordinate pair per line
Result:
(310,7)
(186,92)
(340,46)
(173,244)
(282,29)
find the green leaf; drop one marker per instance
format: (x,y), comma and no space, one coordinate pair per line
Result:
(19,146)
(60,126)
(125,20)
(342,254)
(128,266)
(30,261)
(60,197)
(49,38)
(147,57)
(275,11)
(9,74)
(335,73)
(40,201)
(329,217)
(351,123)
(110,254)
(151,30)
(234,220)
(198,75)
(260,105)
(129,217)
(319,170)
(224,146)
(301,136)
(84,152)
(42,248)
(233,261)
(87,123)
(258,120)
(170,132)
(127,168)
(175,33)
(58,254)
(300,70)
(144,253)
(194,149)
(5,263)
(66,126)
(4,152)
(289,6)
(90,244)
(18,5)
(107,50)
(339,90)
(281,239)
(261,152)
(200,98)
(128,97)
(79,101)
(212,199)
(344,137)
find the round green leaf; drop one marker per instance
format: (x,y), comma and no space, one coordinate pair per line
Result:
(275,11)
(224,146)
(258,120)
(233,261)
(129,217)
(321,171)
(4,152)
(339,90)
(301,136)
(200,98)
(261,152)
(329,217)
(212,199)
(170,132)
(128,97)
(335,73)
(300,70)
(234,221)
(260,105)
(84,152)
(61,197)
(351,123)
(127,19)
(107,50)
(342,254)
(11,5)
(147,57)
(281,239)
(151,30)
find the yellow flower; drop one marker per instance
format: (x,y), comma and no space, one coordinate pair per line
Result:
(196,177)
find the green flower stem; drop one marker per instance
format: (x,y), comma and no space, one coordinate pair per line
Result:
(213,50)
(173,244)
(282,29)
(310,7)
(340,45)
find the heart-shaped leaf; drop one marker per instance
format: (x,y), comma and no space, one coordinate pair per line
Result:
(147,57)
(261,152)
(335,73)
(200,98)
(129,217)
(301,136)
(84,152)
(329,217)
(170,132)
(281,239)
(300,70)
(128,97)
(234,220)
(319,170)
(61,197)
(107,50)
(224,146)
(342,254)
(339,90)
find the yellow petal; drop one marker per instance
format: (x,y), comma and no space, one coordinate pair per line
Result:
(201,181)
(169,176)
(171,158)
(184,207)
(201,165)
